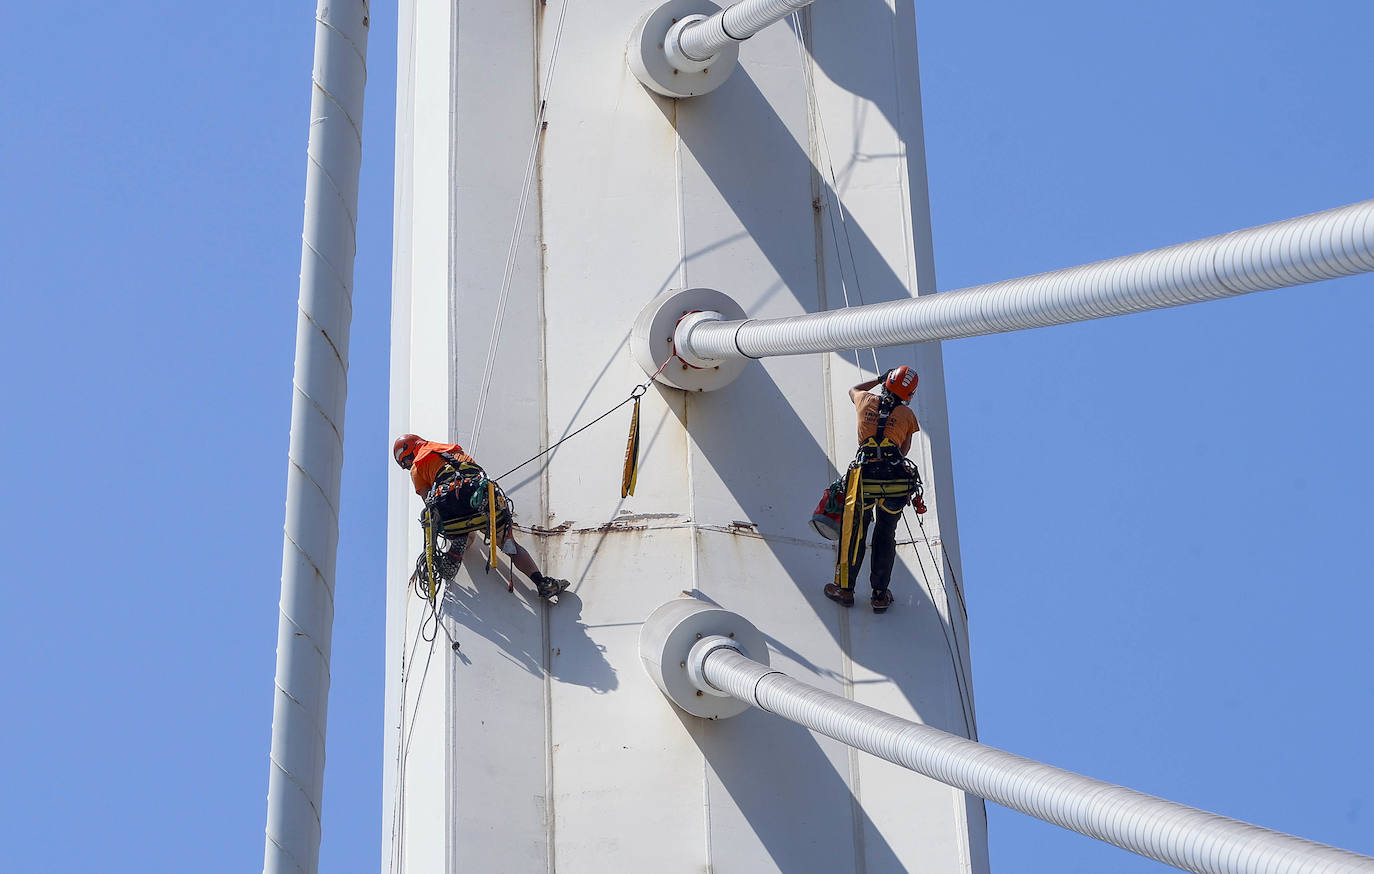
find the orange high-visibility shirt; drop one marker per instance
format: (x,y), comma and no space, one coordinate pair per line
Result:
(901,422)
(428,461)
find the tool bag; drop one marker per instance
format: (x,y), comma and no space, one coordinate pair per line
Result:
(825,519)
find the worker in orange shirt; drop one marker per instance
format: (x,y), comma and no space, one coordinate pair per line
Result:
(459,503)
(886,427)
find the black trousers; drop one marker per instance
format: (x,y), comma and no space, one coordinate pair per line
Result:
(884,543)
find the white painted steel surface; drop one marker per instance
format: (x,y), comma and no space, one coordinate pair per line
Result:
(1185,837)
(1324,245)
(542,743)
(305,625)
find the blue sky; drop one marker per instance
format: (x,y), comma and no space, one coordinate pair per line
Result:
(1163,517)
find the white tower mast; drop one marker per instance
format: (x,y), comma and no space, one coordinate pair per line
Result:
(602,218)
(797,186)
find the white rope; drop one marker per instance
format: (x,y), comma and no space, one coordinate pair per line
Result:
(961,680)
(511,250)
(813,110)
(398,823)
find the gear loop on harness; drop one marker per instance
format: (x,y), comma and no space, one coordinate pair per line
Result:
(462,501)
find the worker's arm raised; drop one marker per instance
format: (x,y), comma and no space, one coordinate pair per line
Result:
(862,388)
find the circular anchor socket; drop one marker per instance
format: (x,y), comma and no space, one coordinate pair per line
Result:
(653,339)
(649,58)
(672,48)
(683,332)
(696,661)
(683,632)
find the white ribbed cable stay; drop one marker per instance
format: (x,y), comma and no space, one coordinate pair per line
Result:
(305,625)
(1172,833)
(1324,245)
(702,40)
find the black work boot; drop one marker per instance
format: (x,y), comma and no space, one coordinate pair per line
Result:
(843,597)
(549,587)
(882,599)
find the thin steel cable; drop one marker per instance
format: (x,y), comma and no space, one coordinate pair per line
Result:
(567,438)
(637,392)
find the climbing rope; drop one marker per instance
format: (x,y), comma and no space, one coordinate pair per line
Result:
(824,156)
(948,630)
(836,234)
(954,580)
(434,614)
(398,812)
(540,125)
(398,824)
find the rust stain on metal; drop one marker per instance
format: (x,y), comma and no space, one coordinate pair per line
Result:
(541,531)
(615,525)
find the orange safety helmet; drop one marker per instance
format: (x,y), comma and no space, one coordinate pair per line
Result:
(901,381)
(403,450)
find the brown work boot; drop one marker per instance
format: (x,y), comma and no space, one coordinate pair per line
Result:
(882,599)
(843,597)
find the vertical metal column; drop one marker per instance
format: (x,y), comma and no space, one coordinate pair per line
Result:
(305,625)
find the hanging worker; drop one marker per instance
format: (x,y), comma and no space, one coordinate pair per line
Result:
(459,502)
(878,484)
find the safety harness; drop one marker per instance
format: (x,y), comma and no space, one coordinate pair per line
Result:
(878,476)
(461,500)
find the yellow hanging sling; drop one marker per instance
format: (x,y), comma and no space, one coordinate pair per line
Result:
(851,528)
(431,577)
(630,475)
(492,513)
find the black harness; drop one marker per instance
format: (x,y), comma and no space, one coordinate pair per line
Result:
(461,501)
(887,473)
(458,499)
